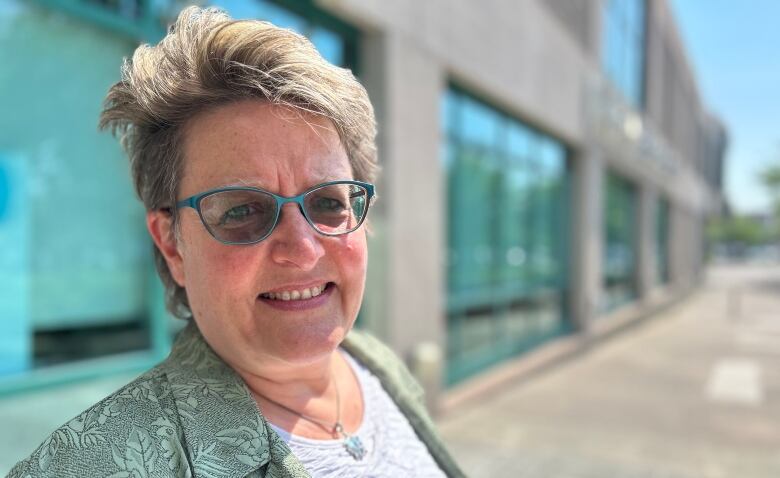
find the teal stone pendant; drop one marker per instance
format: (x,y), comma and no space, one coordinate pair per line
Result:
(354,447)
(352,443)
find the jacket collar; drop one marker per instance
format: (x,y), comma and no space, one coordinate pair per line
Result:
(225,435)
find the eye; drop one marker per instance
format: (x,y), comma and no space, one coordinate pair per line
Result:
(327,204)
(240,214)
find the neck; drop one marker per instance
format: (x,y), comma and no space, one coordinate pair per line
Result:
(307,389)
(293,384)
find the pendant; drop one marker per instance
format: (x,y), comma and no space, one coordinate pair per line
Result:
(354,446)
(352,443)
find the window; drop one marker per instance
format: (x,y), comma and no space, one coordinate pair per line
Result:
(82,273)
(662,241)
(619,266)
(507,194)
(623,46)
(336,41)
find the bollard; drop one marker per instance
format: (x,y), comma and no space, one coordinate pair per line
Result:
(426,366)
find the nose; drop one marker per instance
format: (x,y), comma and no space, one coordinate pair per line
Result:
(294,242)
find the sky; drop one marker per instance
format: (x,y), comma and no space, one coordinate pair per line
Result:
(734,48)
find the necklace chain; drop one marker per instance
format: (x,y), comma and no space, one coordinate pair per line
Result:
(352,443)
(336,429)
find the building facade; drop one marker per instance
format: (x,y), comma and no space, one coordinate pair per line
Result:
(548,169)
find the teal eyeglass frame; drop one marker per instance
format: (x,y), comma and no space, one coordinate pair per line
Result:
(195,200)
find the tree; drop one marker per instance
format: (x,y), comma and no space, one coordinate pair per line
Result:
(737,229)
(770,178)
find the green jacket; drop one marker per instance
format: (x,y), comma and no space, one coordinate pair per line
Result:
(192,416)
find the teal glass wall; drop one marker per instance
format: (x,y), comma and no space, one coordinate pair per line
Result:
(78,280)
(86,258)
(623,46)
(620,248)
(662,240)
(507,188)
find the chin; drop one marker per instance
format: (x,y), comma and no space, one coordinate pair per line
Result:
(311,346)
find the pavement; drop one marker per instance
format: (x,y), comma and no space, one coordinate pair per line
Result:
(693,392)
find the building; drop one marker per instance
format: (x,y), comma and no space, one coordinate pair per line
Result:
(548,168)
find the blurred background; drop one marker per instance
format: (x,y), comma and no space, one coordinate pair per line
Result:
(554,172)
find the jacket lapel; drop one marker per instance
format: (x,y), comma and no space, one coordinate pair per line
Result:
(225,435)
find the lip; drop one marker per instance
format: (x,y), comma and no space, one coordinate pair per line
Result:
(301,304)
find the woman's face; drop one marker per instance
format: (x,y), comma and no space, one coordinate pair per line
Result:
(253,143)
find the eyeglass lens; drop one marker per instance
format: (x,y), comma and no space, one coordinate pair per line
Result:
(245,216)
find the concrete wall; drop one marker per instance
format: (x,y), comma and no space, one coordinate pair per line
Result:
(513,53)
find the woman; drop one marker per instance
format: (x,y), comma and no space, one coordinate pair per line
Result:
(254,158)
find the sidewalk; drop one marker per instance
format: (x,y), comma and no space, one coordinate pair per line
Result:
(693,393)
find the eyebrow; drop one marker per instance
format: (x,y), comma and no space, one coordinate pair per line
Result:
(239,182)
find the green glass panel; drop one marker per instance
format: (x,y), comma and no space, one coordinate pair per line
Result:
(86,227)
(15,326)
(620,242)
(504,194)
(662,241)
(513,222)
(471,220)
(331,45)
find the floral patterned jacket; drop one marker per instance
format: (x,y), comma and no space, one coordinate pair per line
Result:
(192,416)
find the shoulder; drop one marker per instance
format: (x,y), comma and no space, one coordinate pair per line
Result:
(132,432)
(384,363)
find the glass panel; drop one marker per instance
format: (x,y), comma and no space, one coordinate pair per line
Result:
(662,241)
(620,247)
(330,44)
(504,190)
(450,113)
(262,10)
(480,125)
(473,183)
(513,223)
(89,255)
(549,190)
(519,140)
(623,46)
(129,9)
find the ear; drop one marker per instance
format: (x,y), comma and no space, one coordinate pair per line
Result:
(160,226)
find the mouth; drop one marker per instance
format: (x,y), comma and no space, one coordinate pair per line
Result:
(298,299)
(297,294)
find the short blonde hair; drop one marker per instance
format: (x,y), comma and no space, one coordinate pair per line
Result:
(206,60)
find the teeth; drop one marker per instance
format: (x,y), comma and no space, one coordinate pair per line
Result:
(295,294)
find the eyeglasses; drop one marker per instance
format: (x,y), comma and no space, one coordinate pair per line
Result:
(246,215)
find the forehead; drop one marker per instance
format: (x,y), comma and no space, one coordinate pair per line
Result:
(256,143)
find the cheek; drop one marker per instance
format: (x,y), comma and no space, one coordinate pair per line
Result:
(353,259)
(215,272)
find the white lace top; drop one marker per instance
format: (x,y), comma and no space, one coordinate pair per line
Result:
(392,447)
